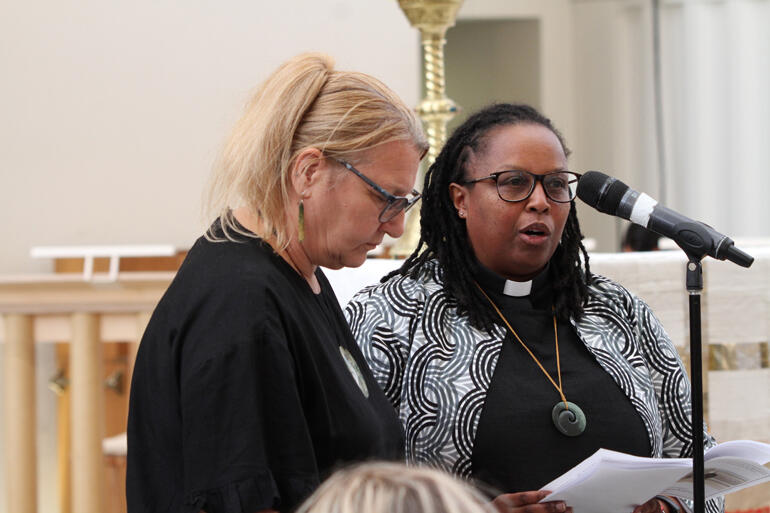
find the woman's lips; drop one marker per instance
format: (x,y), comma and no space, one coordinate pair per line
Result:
(535,234)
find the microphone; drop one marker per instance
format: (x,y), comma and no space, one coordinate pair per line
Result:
(611,196)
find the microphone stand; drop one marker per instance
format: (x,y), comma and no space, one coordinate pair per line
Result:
(692,240)
(696,241)
(694,279)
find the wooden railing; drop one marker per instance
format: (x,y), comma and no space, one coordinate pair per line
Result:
(49,308)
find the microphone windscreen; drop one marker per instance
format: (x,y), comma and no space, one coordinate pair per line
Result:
(601,191)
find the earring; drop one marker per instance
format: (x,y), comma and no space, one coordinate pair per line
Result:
(301,222)
(461,214)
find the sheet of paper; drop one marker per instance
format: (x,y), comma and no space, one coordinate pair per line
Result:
(757,452)
(722,475)
(614,482)
(616,490)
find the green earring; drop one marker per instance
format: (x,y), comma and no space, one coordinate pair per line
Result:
(301,222)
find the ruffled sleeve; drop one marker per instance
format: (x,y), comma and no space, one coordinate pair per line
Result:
(246,443)
(250,495)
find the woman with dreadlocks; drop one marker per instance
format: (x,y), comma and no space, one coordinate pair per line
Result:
(507,361)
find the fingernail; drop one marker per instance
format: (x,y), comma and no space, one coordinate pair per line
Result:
(561,506)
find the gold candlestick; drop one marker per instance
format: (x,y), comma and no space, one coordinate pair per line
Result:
(432,18)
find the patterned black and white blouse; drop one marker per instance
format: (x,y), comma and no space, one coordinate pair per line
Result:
(436,368)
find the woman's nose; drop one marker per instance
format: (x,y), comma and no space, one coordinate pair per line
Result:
(394,227)
(538,200)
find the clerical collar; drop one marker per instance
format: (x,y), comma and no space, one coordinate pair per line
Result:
(536,290)
(517,288)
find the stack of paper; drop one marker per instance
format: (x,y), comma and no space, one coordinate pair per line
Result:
(614,482)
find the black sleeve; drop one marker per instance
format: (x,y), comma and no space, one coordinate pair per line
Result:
(246,443)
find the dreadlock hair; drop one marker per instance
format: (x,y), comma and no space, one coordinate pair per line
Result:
(443,235)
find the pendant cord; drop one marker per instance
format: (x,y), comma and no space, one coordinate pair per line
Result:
(555,336)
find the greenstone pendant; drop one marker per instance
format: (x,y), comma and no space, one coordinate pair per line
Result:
(569,420)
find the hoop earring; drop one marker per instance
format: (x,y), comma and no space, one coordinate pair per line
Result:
(301,222)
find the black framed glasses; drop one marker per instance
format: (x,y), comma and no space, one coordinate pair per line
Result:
(394,205)
(515,185)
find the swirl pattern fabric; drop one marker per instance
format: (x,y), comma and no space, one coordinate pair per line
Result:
(436,376)
(436,368)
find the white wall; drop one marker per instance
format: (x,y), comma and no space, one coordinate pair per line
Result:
(717,101)
(112,112)
(716,107)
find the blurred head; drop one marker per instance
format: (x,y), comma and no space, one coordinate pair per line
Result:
(394,488)
(302,121)
(464,224)
(639,238)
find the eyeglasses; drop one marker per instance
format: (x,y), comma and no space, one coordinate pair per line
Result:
(394,205)
(513,186)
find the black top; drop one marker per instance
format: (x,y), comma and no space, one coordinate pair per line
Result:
(517,447)
(241,398)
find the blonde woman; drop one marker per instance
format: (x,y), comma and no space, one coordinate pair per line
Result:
(394,488)
(248,386)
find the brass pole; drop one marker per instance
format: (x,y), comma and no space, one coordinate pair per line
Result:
(432,18)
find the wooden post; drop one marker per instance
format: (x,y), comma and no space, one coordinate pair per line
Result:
(87,399)
(19,414)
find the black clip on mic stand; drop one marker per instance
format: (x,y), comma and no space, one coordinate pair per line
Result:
(692,237)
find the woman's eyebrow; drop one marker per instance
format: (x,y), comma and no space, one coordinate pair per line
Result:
(522,168)
(395,190)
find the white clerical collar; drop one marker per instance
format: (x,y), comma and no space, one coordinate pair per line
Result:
(517,288)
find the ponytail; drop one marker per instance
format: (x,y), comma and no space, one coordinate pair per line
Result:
(304,103)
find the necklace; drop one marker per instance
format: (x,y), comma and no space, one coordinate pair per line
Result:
(568,418)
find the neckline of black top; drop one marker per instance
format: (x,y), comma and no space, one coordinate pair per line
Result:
(539,298)
(290,271)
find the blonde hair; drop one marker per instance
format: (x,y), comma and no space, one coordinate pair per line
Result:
(394,488)
(304,104)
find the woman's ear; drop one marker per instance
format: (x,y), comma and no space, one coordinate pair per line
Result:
(459,195)
(306,171)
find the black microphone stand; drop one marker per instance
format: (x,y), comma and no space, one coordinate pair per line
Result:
(693,242)
(696,241)
(694,288)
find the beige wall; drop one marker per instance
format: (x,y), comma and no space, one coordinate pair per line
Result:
(112,113)
(493,61)
(554,19)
